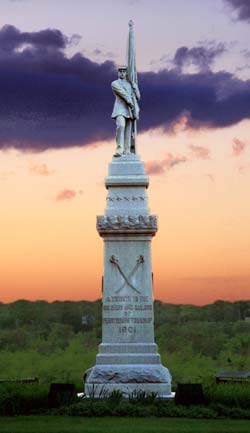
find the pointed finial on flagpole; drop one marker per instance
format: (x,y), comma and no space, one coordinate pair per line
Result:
(131,23)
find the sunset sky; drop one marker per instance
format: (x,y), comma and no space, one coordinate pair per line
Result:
(57,60)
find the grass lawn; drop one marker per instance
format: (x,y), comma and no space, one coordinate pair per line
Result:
(62,424)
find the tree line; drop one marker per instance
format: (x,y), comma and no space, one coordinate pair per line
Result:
(59,340)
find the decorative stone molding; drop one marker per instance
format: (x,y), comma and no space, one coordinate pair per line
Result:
(126,198)
(127,222)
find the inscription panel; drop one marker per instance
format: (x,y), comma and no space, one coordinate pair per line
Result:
(127,292)
(127,318)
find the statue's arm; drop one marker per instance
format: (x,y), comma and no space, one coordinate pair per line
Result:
(136,91)
(120,91)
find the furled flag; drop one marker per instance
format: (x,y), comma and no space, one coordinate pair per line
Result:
(132,78)
(131,62)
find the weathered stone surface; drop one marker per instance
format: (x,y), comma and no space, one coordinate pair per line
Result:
(128,374)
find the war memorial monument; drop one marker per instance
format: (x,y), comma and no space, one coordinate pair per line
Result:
(127,359)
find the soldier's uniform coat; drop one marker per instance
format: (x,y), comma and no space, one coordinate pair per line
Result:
(124,95)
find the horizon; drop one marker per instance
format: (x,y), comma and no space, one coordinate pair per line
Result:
(57,138)
(100,300)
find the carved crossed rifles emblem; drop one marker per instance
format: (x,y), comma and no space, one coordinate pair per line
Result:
(127,279)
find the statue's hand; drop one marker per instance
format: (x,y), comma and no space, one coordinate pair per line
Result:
(136,91)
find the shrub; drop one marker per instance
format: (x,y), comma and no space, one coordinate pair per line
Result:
(16,399)
(232,395)
(144,397)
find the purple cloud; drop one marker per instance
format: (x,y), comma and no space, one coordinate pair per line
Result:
(200,56)
(242,8)
(51,101)
(11,38)
(159,167)
(238,147)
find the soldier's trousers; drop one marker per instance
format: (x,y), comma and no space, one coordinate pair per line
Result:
(123,134)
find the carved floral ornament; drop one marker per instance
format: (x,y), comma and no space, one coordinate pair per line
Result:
(118,222)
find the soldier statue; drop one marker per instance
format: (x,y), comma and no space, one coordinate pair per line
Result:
(125,112)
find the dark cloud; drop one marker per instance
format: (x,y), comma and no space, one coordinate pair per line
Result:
(51,101)
(97,51)
(159,167)
(201,56)
(242,8)
(211,99)
(11,38)
(246,53)
(73,40)
(100,54)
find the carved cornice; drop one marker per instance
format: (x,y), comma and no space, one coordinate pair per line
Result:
(127,224)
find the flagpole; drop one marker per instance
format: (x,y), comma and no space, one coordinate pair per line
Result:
(132,78)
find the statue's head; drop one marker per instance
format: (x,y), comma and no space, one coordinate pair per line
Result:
(122,72)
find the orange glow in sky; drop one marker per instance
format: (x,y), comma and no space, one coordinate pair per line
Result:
(56,68)
(49,245)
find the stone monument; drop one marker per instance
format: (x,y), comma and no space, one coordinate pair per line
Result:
(127,359)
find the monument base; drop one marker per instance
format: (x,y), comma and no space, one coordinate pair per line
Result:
(129,379)
(128,360)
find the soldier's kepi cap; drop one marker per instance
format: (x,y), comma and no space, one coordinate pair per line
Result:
(122,68)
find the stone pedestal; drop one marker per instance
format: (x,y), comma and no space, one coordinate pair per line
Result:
(127,359)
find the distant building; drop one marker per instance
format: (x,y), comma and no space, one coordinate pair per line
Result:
(85,320)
